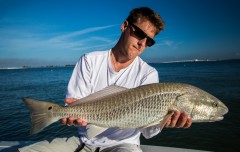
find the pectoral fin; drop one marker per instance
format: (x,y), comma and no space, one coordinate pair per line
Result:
(163,122)
(166,119)
(93,131)
(152,124)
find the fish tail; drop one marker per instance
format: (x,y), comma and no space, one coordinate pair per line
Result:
(41,114)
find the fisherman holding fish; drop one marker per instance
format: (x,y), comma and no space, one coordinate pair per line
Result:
(119,66)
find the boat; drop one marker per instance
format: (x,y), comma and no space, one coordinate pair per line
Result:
(10,146)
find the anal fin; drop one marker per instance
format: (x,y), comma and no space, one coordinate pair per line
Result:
(93,131)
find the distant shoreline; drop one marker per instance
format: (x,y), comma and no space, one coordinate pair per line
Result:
(197,60)
(70,65)
(32,67)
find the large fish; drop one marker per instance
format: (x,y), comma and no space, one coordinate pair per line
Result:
(139,107)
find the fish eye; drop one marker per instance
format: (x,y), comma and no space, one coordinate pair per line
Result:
(49,108)
(215,104)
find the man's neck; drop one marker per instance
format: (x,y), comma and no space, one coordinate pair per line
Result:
(119,60)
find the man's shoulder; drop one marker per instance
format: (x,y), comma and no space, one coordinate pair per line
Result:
(96,53)
(144,65)
(95,58)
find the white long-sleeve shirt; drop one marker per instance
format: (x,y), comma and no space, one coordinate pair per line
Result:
(94,72)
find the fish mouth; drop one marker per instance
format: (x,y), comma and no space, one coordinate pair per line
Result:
(222,110)
(216,118)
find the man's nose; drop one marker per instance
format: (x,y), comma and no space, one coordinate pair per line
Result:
(142,42)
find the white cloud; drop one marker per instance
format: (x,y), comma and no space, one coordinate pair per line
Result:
(18,42)
(81,32)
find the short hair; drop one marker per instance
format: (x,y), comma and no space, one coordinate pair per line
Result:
(146,13)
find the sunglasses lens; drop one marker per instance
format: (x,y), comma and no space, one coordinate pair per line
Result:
(141,35)
(150,42)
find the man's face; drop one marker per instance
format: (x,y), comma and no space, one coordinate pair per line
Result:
(133,43)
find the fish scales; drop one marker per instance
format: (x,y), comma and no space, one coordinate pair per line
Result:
(132,108)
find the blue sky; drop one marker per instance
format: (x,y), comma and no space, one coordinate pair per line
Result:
(55,32)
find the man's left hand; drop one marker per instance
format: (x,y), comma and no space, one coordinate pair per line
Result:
(179,120)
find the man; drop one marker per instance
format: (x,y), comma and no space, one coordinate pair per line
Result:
(119,66)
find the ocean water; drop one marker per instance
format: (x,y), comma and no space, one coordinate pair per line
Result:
(220,78)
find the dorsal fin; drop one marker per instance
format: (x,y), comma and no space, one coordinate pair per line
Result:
(110,90)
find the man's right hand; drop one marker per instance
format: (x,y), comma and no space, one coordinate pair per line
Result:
(71,120)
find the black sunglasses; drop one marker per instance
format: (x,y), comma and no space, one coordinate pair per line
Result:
(141,35)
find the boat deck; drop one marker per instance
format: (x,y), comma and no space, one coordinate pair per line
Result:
(9,146)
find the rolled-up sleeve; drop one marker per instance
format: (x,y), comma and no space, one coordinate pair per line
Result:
(79,84)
